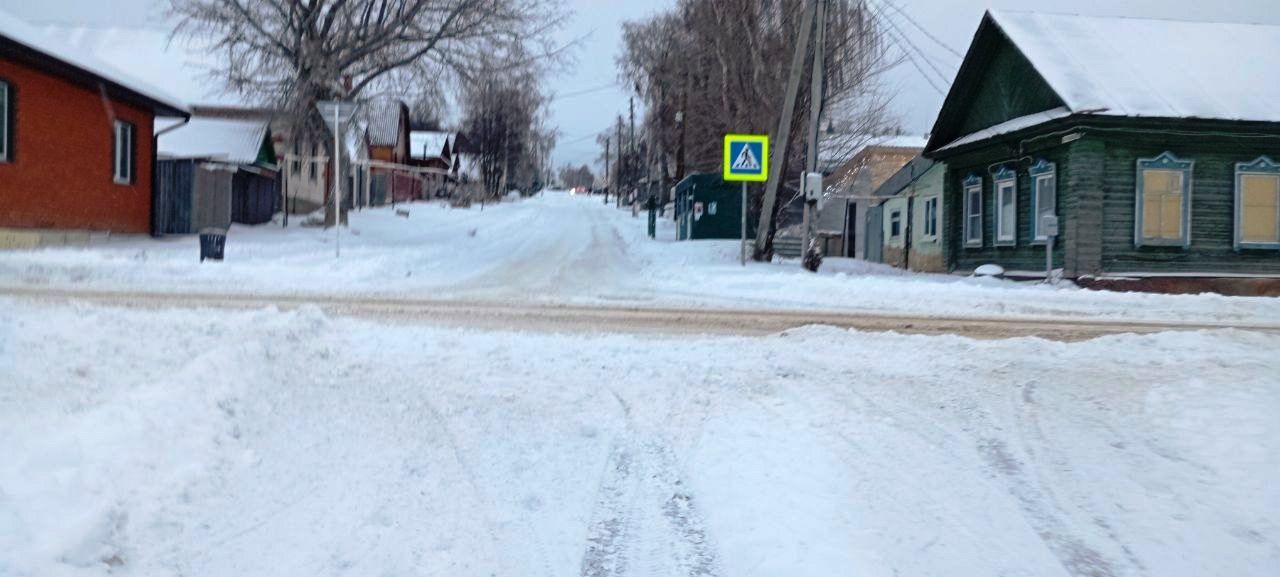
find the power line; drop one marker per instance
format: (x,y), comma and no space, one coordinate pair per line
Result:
(906,46)
(904,37)
(926,32)
(586,91)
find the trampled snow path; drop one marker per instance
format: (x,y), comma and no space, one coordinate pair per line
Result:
(559,249)
(140,443)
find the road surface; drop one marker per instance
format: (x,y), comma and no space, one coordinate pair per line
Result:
(493,314)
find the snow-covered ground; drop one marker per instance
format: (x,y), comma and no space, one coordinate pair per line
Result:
(559,248)
(289,443)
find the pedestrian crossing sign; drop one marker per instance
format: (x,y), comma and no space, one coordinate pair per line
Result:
(746,158)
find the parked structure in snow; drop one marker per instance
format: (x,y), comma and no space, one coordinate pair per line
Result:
(1156,143)
(76,148)
(214,172)
(846,226)
(912,227)
(707,207)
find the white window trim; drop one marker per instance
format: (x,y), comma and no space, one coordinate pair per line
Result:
(1262,166)
(895,213)
(1040,172)
(973,185)
(1166,161)
(1011,183)
(5,145)
(930,219)
(123,152)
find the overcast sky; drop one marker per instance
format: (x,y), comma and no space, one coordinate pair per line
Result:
(597,23)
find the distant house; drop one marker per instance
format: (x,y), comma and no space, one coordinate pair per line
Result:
(912,228)
(76,141)
(854,174)
(387,134)
(1155,142)
(433,149)
(213,172)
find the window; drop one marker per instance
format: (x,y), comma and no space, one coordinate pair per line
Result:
(296,165)
(1006,207)
(1258,204)
(930,218)
(973,211)
(311,163)
(1044,196)
(895,224)
(1164,202)
(123,155)
(6,122)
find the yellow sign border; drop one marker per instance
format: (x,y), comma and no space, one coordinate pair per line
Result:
(763,140)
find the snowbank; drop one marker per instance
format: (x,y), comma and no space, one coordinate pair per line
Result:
(269,443)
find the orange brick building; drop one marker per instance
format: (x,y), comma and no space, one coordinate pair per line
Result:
(76,138)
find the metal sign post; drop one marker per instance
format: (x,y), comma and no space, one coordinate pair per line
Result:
(746,159)
(336,112)
(742,253)
(1049,226)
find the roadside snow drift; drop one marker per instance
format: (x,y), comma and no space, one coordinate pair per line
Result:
(564,249)
(292,444)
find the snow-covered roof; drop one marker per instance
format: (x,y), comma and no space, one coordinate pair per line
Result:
(154,57)
(230,141)
(425,144)
(837,149)
(1152,68)
(33,38)
(1008,126)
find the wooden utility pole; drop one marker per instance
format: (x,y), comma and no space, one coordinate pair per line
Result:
(815,114)
(606,170)
(631,142)
(622,166)
(783,135)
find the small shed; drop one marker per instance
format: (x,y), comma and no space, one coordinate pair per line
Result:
(707,207)
(213,172)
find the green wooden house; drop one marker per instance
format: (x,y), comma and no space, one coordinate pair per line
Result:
(1156,143)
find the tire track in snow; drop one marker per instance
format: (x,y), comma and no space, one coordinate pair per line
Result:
(642,501)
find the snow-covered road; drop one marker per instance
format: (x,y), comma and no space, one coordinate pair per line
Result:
(227,426)
(559,249)
(290,443)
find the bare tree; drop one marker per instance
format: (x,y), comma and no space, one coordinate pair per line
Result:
(579,176)
(290,53)
(710,67)
(502,117)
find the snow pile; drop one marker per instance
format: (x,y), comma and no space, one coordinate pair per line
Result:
(558,248)
(268,443)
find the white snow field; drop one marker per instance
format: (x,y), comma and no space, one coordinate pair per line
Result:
(225,444)
(564,249)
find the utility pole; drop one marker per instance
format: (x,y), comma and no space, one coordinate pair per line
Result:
(622,166)
(784,130)
(631,139)
(815,114)
(606,170)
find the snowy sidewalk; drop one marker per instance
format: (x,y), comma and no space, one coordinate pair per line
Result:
(563,249)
